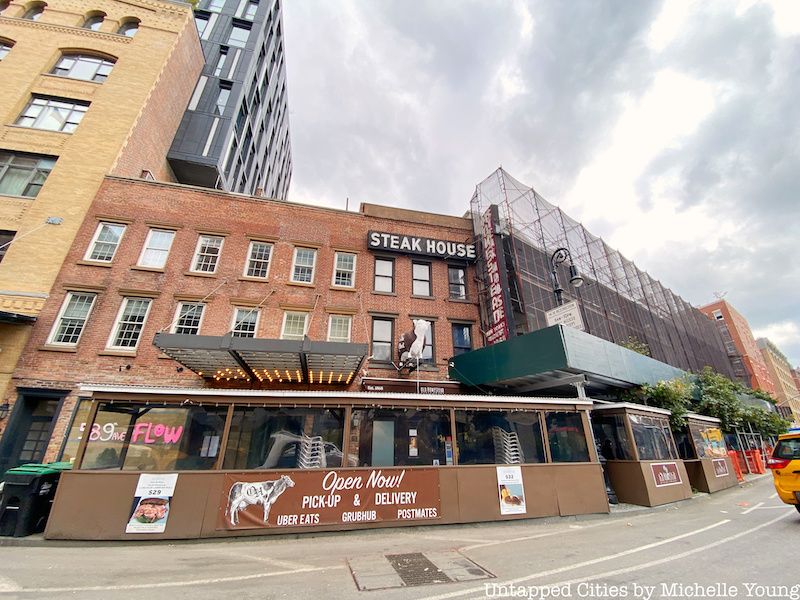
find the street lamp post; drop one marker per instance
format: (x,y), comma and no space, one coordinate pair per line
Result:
(559,257)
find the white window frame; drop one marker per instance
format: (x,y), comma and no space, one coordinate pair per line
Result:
(349,326)
(57,323)
(286,313)
(115,327)
(175,319)
(96,235)
(196,254)
(313,265)
(335,269)
(250,258)
(147,242)
(245,309)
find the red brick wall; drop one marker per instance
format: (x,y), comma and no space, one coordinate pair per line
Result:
(151,137)
(191,210)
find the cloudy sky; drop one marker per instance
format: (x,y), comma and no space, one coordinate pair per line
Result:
(672,129)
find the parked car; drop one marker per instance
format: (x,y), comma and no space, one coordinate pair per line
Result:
(785,466)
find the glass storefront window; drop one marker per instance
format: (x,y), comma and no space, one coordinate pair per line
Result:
(708,441)
(383,437)
(611,436)
(498,437)
(285,438)
(70,449)
(135,437)
(653,437)
(567,437)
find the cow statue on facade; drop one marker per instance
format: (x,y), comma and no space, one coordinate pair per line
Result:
(411,344)
(246,493)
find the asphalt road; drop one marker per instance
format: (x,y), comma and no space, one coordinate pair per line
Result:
(740,543)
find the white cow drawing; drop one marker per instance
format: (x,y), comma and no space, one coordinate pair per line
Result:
(246,493)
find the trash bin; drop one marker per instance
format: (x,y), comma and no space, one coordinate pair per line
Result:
(28,493)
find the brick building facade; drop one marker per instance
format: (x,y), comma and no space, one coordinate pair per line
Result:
(169,237)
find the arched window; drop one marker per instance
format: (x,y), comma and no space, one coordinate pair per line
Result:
(94,20)
(34,12)
(83,66)
(129,27)
(5,47)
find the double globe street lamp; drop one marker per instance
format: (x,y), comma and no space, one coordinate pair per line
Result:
(559,257)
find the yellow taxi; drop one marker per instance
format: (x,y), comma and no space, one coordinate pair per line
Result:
(785,466)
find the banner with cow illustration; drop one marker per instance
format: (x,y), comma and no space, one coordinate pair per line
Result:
(328,497)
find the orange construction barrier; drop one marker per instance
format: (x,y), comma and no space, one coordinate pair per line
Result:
(754,459)
(737,468)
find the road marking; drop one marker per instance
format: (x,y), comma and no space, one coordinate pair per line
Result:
(536,536)
(752,508)
(775,495)
(449,539)
(769,507)
(169,584)
(265,559)
(586,563)
(8,585)
(666,559)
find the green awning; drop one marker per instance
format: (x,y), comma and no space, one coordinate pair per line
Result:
(557,357)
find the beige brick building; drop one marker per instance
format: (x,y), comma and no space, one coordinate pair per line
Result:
(781,372)
(88,88)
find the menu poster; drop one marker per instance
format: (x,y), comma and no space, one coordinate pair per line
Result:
(510,490)
(150,509)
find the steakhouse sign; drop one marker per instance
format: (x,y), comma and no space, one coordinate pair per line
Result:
(328,497)
(410,244)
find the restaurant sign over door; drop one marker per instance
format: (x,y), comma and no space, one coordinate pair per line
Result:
(300,498)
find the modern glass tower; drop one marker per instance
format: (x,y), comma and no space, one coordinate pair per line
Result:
(234,135)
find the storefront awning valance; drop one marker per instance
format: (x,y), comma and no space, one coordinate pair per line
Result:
(555,358)
(264,360)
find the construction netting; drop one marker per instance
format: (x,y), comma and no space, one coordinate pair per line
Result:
(619,302)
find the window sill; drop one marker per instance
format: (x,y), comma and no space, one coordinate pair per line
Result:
(301,284)
(147,269)
(340,288)
(57,348)
(460,300)
(16,196)
(423,297)
(93,263)
(384,293)
(256,279)
(111,352)
(199,274)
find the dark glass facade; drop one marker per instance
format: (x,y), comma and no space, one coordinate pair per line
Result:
(234,134)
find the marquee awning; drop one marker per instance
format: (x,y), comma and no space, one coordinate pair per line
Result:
(228,358)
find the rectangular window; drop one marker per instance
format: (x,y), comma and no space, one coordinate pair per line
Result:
(462,338)
(88,68)
(138,437)
(238,36)
(188,318)
(71,319)
(384,275)
(216,5)
(566,437)
(382,331)
(6,237)
(201,21)
(285,438)
(344,271)
(294,325)
(258,260)
(23,174)
(245,322)
(250,11)
(339,328)
(156,248)
(653,437)
(53,114)
(222,98)
(223,55)
(611,436)
(130,321)
(206,256)
(457,277)
(428,352)
(105,242)
(498,437)
(421,276)
(303,266)
(718,315)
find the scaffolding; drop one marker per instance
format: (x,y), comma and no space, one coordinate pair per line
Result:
(619,302)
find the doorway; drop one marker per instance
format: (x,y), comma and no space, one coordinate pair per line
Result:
(28,432)
(383,443)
